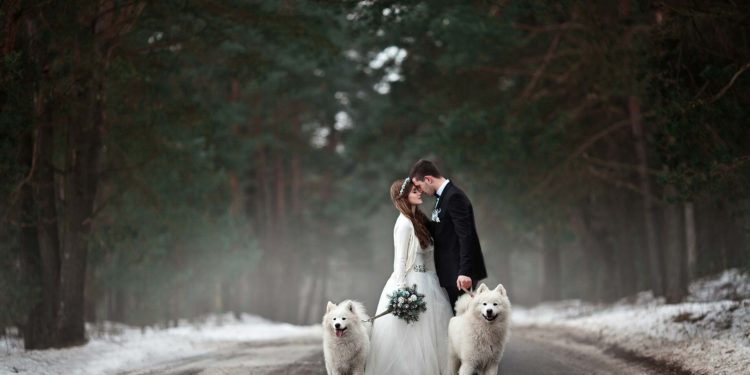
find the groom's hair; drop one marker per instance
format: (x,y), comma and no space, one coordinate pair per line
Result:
(424,168)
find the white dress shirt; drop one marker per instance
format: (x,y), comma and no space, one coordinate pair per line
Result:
(442,187)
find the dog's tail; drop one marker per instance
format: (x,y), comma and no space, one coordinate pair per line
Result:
(462,304)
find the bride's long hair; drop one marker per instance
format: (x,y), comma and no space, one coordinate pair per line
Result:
(418,218)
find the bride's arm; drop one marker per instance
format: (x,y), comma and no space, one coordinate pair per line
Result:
(401,239)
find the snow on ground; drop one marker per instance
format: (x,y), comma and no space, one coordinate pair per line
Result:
(114,348)
(708,334)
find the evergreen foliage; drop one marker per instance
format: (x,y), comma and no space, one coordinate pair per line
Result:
(217,155)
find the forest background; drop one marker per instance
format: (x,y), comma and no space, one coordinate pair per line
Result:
(167,159)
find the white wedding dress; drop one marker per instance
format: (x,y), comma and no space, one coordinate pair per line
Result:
(421,347)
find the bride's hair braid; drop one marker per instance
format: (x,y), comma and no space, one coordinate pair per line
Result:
(400,199)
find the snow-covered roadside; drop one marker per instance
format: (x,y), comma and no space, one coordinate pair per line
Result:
(709,334)
(115,348)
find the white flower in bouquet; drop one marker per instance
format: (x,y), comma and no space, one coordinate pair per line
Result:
(405,303)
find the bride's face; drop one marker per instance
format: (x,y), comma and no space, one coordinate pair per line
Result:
(415,196)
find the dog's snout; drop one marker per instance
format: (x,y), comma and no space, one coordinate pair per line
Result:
(337,325)
(489,312)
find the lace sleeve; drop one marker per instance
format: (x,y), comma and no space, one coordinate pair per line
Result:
(401,242)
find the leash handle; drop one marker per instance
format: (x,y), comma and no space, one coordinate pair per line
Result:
(469,292)
(377,316)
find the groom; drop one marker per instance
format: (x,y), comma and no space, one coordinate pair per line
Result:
(458,256)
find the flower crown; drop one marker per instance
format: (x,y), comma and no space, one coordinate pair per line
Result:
(403,186)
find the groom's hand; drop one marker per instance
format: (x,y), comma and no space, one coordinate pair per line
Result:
(463,282)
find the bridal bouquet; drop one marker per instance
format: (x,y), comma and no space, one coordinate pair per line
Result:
(407,304)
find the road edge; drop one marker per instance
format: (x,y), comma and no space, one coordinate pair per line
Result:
(657,365)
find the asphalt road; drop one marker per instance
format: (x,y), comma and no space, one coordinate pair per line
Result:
(529,351)
(537,351)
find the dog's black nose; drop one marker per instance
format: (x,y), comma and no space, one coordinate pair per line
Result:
(489,312)
(337,325)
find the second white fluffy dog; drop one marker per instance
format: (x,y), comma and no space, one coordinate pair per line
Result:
(479,331)
(346,338)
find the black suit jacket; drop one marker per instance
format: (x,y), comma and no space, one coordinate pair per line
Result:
(457,249)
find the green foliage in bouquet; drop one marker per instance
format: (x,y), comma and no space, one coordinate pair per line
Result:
(407,304)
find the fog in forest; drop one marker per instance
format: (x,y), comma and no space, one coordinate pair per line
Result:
(167,160)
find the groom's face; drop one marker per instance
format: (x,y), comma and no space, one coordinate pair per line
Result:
(424,185)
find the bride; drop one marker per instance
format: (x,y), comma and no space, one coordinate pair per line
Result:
(420,347)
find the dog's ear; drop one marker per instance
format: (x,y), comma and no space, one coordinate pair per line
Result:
(500,288)
(350,306)
(482,288)
(330,306)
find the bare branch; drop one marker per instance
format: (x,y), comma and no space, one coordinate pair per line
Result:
(579,150)
(548,28)
(618,165)
(100,206)
(731,82)
(538,73)
(623,184)
(723,169)
(32,170)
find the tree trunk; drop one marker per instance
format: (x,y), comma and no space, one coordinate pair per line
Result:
(80,186)
(280,195)
(38,331)
(318,307)
(690,240)
(296,188)
(74,251)
(265,224)
(627,247)
(47,229)
(236,193)
(551,287)
(649,222)
(674,236)
(264,180)
(243,293)
(307,291)
(64,205)
(504,269)
(41,326)
(729,235)
(218,301)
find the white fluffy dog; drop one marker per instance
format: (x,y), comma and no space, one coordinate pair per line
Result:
(346,338)
(478,332)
